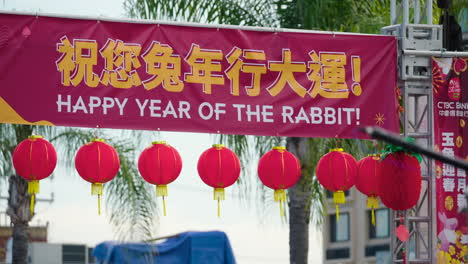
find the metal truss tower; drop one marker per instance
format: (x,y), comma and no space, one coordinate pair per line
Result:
(415,82)
(417,43)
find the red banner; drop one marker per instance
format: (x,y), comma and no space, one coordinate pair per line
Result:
(73,72)
(450,83)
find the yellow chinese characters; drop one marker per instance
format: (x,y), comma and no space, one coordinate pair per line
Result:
(328,75)
(121,62)
(77,62)
(204,64)
(164,66)
(287,68)
(237,65)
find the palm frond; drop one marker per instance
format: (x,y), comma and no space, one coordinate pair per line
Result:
(250,149)
(233,12)
(130,199)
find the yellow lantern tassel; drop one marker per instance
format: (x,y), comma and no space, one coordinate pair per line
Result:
(33,188)
(338,198)
(280,196)
(372,203)
(161,190)
(219,195)
(31,205)
(99,204)
(96,189)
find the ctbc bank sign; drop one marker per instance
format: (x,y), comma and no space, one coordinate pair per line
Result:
(71,72)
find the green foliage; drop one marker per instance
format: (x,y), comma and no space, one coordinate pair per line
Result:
(230,12)
(316,14)
(131,201)
(458,6)
(364,16)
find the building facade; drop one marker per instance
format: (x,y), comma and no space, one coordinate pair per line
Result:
(352,238)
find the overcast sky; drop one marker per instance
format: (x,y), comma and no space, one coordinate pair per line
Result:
(255,238)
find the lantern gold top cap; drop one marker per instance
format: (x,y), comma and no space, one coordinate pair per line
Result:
(336,149)
(279,147)
(98,140)
(34,137)
(159,142)
(218,146)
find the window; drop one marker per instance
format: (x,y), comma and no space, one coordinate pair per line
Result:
(73,254)
(371,251)
(91,259)
(339,229)
(338,253)
(382,223)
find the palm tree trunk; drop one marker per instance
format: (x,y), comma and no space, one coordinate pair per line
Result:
(298,227)
(18,205)
(299,207)
(18,210)
(20,245)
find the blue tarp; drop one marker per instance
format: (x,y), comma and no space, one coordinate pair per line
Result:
(186,248)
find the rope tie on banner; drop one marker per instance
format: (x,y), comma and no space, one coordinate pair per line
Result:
(33,189)
(161,191)
(96,189)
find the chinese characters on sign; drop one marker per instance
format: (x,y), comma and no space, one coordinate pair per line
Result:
(450,116)
(326,71)
(454,179)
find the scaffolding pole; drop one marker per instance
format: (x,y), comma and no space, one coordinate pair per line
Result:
(417,43)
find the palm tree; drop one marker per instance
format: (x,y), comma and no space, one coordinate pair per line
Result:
(129,200)
(231,12)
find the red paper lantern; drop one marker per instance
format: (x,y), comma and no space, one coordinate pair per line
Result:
(337,172)
(97,162)
(34,159)
(219,167)
(160,165)
(400,185)
(279,169)
(367,181)
(400,181)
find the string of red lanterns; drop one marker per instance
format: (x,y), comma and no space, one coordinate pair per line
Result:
(395,177)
